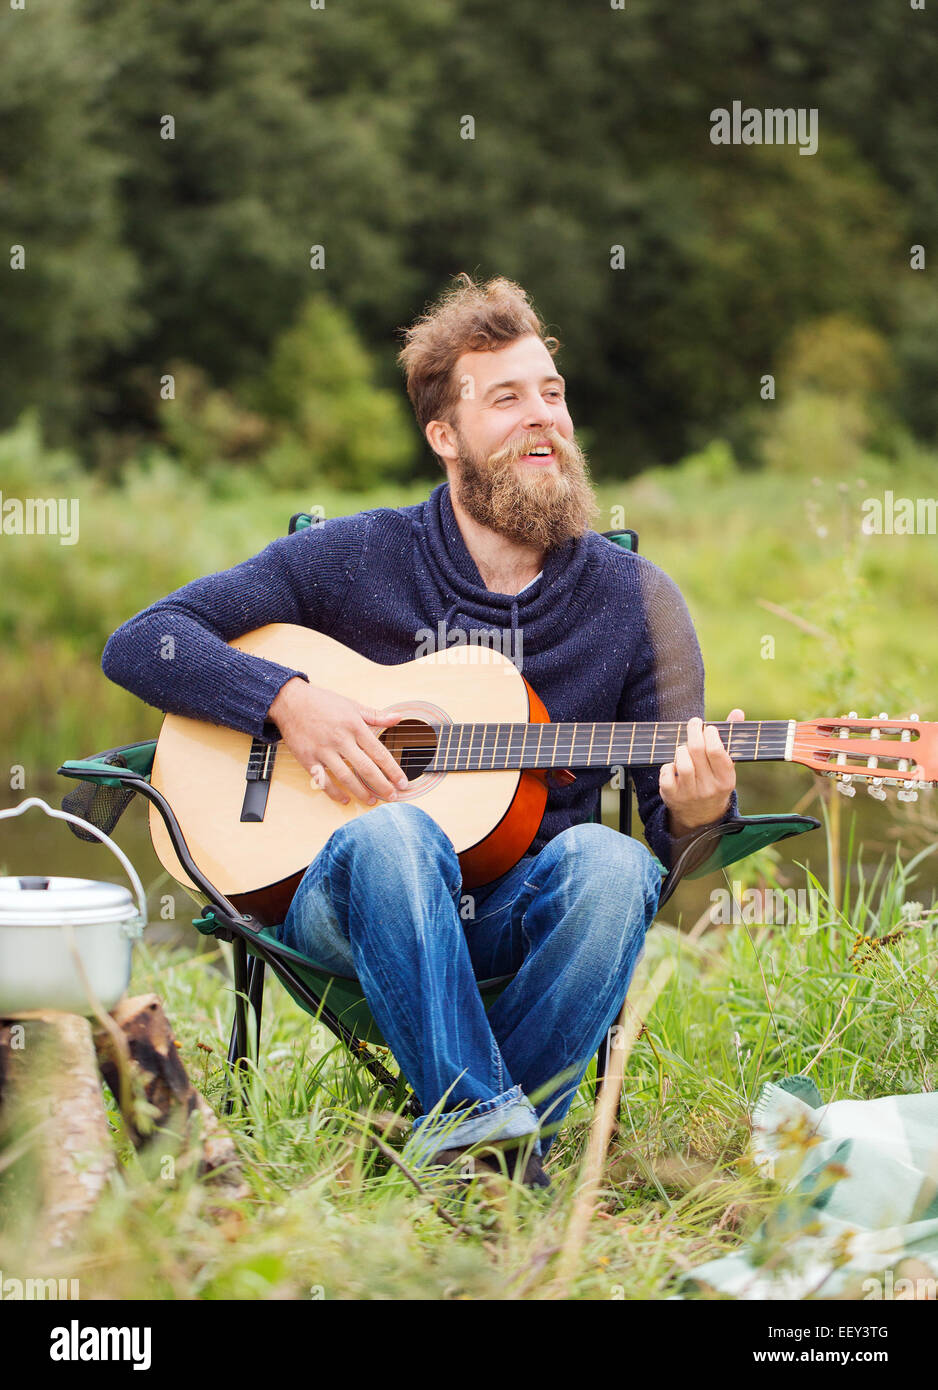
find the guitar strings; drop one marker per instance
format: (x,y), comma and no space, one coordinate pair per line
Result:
(768,729)
(767,739)
(634,741)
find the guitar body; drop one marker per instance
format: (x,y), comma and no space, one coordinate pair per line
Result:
(202,770)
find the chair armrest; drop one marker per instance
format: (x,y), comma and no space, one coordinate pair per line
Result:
(716,846)
(745,835)
(91,770)
(137,759)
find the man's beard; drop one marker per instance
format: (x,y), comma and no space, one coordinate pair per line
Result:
(528,503)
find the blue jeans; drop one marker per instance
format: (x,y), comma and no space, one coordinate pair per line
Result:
(383,902)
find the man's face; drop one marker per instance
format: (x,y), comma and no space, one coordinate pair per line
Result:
(512,403)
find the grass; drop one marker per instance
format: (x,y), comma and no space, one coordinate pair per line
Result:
(799,615)
(330,1216)
(734,541)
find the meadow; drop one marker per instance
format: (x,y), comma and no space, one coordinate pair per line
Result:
(799,613)
(332,1213)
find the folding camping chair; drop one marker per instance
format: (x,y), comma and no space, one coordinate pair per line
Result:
(110,779)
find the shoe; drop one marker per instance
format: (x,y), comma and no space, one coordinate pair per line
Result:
(467,1164)
(532,1174)
(448,1158)
(473,1164)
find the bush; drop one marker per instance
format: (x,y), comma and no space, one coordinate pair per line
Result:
(837,356)
(917,358)
(205,426)
(831,408)
(331,420)
(813,433)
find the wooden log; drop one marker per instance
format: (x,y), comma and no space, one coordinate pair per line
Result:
(53,1113)
(147,1048)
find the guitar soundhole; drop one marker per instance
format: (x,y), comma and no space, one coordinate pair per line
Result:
(412,743)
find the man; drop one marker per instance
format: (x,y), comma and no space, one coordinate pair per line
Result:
(504,545)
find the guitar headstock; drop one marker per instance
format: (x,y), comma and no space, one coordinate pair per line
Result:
(882,752)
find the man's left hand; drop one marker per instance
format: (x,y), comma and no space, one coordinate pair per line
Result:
(697,786)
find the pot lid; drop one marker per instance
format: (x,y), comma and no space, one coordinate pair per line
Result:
(44,900)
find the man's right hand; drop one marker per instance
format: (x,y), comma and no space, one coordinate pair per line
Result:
(331,737)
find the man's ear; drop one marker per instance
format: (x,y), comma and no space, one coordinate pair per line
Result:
(442,440)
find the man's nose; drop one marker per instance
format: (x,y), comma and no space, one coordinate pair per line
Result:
(537,415)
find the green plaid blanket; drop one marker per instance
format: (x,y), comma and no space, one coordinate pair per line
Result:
(859,1212)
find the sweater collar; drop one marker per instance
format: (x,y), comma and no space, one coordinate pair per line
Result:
(445,527)
(453,583)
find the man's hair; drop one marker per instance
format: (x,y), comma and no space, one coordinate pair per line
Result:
(468,317)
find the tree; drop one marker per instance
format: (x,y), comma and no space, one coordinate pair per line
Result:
(73,302)
(333,421)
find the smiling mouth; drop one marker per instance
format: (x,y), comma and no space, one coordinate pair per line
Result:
(542,454)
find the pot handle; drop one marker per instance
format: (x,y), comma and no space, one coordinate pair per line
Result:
(77,820)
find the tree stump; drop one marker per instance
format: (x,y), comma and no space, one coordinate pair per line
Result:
(53,1111)
(57,1143)
(157,1074)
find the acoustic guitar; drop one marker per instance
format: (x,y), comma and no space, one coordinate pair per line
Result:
(254,819)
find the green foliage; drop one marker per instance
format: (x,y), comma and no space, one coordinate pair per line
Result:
(758,243)
(205,426)
(916,400)
(837,356)
(814,434)
(712,465)
(75,302)
(834,380)
(334,422)
(732,540)
(297,128)
(316,413)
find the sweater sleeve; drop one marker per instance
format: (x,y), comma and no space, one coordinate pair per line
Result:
(174,654)
(665,682)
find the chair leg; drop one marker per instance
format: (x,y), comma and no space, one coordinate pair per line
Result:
(257,971)
(625,807)
(602,1063)
(238,1044)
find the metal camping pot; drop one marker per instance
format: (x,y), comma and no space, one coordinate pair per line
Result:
(65,943)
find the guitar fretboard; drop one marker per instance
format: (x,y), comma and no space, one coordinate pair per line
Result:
(490,747)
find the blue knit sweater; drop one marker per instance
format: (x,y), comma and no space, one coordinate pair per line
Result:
(601,634)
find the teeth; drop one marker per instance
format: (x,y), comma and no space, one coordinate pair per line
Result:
(541,450)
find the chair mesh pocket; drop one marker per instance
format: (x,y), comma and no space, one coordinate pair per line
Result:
(101,806)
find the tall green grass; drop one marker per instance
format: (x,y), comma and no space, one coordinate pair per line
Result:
(330,1215)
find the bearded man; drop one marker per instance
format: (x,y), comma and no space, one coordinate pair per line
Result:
(505,544)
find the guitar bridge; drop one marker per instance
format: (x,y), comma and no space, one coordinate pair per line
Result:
(257,777)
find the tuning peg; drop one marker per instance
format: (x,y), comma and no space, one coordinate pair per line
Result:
(905,736)
(911,787)
(875,786)
(842,757)
(844,787)
(875,789)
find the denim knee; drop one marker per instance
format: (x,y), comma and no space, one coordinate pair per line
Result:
(400,844)
(603,868)
(599,846)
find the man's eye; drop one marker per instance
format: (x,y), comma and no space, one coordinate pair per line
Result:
(501,400)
